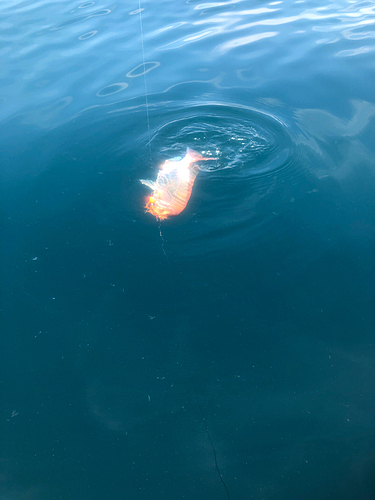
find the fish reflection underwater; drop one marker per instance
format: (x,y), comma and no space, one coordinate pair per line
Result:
(172,189)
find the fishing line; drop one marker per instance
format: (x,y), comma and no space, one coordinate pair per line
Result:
(163,243)
(144,74)
(147,111)
(165,253)
(217,469)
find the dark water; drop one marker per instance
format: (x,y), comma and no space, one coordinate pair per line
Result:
(124,370)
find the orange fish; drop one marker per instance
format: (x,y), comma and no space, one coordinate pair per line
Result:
(172,189)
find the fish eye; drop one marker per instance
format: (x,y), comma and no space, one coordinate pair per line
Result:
(151,200)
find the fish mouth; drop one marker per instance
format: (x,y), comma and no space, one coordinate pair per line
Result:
(158,212)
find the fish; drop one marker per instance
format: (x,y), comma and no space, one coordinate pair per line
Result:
(173,186)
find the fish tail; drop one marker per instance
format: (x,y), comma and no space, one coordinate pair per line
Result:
(196,156)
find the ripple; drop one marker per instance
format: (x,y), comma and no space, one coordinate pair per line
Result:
(88,35)
(355,52)
(244,140)
(112,89)
(209,5)
(238,42)
(80,19)
(235,196)
(87,4)
(238,199)
(134,12)
(146,67)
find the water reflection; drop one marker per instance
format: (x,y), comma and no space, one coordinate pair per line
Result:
(337,142)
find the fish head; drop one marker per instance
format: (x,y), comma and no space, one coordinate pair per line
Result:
(155,207)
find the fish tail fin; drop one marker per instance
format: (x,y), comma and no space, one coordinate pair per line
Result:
(196,156)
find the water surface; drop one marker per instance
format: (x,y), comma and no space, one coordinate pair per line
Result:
(134,352)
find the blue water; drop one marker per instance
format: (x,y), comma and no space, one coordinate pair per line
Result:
(226,353)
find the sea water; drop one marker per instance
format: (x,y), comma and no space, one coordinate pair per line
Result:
(238,349)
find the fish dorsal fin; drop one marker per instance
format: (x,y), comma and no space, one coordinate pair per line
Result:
(148,183)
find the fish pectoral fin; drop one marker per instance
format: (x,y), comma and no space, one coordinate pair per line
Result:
(150,184)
